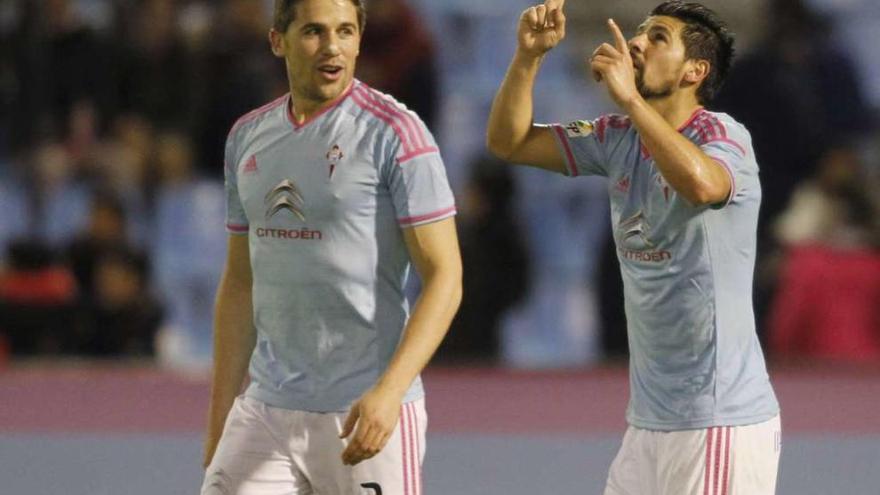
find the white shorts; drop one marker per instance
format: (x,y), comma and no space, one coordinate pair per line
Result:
(267,450)
(723,460)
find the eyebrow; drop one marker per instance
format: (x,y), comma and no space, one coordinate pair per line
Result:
(318,25)
(654,27)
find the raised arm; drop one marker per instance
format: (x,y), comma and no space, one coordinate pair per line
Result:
(433,249)
(691,172)
(511,133)
(234,338)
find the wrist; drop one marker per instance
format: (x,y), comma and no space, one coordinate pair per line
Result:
(632,104)
(392,387)
(527,59)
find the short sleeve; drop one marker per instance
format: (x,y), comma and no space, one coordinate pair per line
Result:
(416,177)
(586,145)
(236,220)
(730,146)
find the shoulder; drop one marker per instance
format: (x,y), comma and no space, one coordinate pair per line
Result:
(386,112)
(249,121)
(710,127)
(598,126)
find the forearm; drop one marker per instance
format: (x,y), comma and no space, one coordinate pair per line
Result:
(234,340)
(428,324)
(511,116)
(686,168)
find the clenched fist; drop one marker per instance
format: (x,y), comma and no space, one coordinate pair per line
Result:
(541,27)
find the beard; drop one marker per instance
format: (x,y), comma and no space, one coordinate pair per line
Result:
(649,93)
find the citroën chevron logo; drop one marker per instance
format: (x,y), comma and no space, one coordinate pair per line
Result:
(285,196)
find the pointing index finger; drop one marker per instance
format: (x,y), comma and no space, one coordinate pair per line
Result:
(619,40)
(553,4)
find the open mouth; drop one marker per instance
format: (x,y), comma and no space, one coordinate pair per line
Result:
(330,71)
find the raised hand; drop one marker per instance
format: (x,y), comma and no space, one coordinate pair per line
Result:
(613,65)
(541,27)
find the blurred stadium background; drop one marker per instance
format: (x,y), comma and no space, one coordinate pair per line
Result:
(112,120)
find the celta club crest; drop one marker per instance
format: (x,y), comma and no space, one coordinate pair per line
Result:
(334,155)
(634,232)
(285,196)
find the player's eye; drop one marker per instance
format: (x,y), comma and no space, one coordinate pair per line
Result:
(346,31)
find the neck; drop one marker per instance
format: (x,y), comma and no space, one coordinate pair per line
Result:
(675,109)
(303,108)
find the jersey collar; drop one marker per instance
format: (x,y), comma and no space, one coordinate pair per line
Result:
(339,99)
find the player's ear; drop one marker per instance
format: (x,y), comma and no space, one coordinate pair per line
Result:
(696,71)
(276,41)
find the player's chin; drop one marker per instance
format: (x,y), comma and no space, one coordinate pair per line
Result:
(332,89)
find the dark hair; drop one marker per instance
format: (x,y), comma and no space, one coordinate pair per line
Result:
(705,37)
(285,13)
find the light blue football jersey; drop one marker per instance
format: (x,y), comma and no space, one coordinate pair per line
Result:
(695,359)
(323,204)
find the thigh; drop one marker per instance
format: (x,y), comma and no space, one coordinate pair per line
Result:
(693,462)
(755,458)
(250,458)
(632,471)
(396,470)
(722,460)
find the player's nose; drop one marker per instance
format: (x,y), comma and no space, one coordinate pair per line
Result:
(637,43)
(331,45)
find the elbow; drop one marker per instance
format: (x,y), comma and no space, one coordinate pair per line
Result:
(500,148)
(456,291)
(706,195)
(700,197)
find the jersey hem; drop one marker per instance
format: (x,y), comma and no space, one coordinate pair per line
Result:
(285,402)
(697,424)
(427,218)
(729,171)
(565,147)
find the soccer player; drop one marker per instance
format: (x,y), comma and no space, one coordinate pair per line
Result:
(684,190)
(333,190)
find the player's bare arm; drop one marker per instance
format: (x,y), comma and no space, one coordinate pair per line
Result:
(511,132)
(688,170)
(234,338)
(433,249)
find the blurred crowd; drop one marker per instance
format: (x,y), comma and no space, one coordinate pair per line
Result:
(113,115)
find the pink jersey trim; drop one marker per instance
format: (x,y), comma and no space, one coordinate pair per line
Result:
(712,129)
(600,129)
(728,141)
(732,178)
(706,469)
(413,455)
(569,156)
(403,451)
(691,119)
(253,114)
(416,135)
(428,216)
(339,99)
(238,229)
(418,452)
(404,125)
(726,460)
(717,460)
(361,102)
(393,120)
